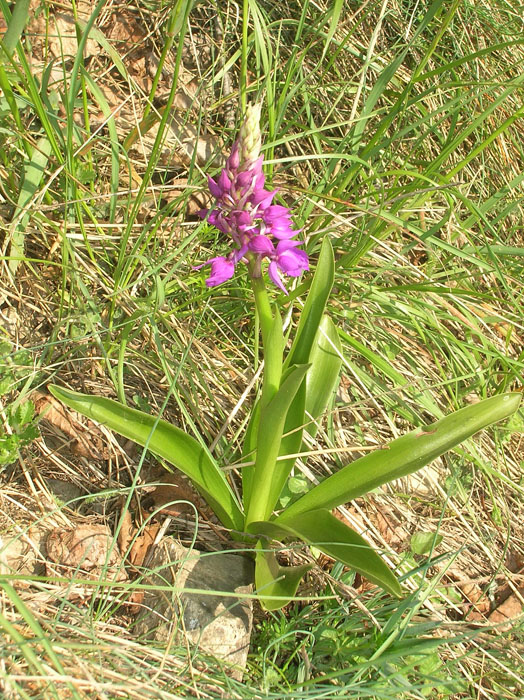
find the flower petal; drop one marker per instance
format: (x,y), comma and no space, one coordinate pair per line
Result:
(241,219)
(224,182)
(274,276)
(276,212)
(216,219)
(214,188)
(244,180)
(262,198)
(239,254)
(222,270)
(293,262)
(261,245)
(233,161)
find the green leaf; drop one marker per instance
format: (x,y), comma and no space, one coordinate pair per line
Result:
(404,455)
(305,336)
(299,353)
(273,360)
(166,441)
(325,532)
(34,170)
(297,484)
(267,479)
(335,18)
(272,377)
(24,414)
(323,375)
(15,25)
(249,453)
(291,443)
(271,579)
(422,542)
(314,307)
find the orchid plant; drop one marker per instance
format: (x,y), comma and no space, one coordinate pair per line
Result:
(298,383)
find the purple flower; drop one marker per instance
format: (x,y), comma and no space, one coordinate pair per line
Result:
(222,270)
(288,259)
(244,210)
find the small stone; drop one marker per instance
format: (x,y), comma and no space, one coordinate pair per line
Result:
(23,555)
(65,492)
(220,625)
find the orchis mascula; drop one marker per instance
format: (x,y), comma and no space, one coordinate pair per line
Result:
(244,210)
(299,382)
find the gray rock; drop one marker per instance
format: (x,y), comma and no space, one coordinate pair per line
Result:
(219,624)
(23,555)
(65,492)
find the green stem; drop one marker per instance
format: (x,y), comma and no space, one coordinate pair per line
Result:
(265,315)
(272,338)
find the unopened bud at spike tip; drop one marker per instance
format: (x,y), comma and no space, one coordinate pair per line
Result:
(250,138)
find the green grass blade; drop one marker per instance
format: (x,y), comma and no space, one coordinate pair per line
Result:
(15,25)
(34,171)
(336,11)
(115,146)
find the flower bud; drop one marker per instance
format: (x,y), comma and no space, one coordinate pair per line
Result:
(250,138)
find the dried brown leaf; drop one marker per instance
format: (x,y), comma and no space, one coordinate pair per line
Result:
(506,613)
(87,440)
(125,534)
(86,548)
(479,602)
(169,496)
(142,544)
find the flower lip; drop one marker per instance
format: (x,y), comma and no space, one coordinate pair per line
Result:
(222,270)
(272,271)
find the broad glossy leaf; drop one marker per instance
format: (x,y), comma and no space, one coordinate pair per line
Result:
(291,443)
(323,375)
(404,455)
(310,400)
(271,579)
(166,441)
(325,532)
(249,453)
(270,429)
(314,307)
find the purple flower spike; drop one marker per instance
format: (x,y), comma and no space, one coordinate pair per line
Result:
(244,210)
